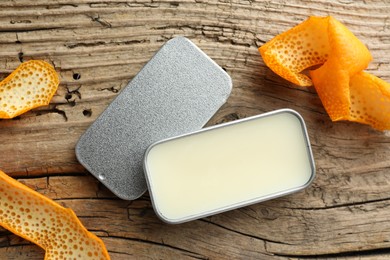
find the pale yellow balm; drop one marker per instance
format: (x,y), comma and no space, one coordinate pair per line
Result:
(229,166)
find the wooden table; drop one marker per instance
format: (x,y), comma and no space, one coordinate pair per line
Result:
(98,46)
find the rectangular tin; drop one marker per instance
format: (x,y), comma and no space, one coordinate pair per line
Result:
(176,92)
(176,201)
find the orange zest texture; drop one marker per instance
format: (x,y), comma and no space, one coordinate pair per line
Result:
(346,92)
(31,85)
(42,221)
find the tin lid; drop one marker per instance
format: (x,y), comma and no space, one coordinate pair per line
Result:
(176,92)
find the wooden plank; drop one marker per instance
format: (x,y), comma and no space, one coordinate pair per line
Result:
(343,214)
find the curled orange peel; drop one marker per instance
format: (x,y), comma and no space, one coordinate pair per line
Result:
(42,221)
(346,92)
(301,47)
(30,85)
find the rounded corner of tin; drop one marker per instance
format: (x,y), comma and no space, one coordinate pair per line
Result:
(79,148)
(150,147)
(294,113)
(229,82)
(310,179)
(157,211)
(80,157)
(78,152)
(179,38)
(164,219)
(125,196)
(146,157)
(149,184)
(313,171)
(146,168)
(129,198)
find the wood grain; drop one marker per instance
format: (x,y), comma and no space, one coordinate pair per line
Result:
(97,47)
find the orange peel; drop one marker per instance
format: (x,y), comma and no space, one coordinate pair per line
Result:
(370,100)
(346,92)
(30,85)
(301,47)
(42,221)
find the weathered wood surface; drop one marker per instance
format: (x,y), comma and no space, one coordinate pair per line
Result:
(345,213)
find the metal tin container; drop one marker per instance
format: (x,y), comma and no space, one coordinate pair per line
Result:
(176,92)
(228,166)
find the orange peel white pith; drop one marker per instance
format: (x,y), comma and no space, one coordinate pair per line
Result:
(42,221)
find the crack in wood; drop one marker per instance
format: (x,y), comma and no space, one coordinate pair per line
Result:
(244,234)
(54,110)
(104,43)
(113,89)
(19,21)
(21,30)
(344,205)
(69,95)
(88,199)
(119,253)
(17,39)
(20,56)
(58,6)
(85,44)
(98,19)
(91,217)
(106,234)
(347,254)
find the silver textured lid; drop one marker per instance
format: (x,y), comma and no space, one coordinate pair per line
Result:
(176,92)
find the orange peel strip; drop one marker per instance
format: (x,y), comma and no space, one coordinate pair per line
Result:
(301,47)
(370,100)
(347,57)
(30,85)
(346,92)
(40,220)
